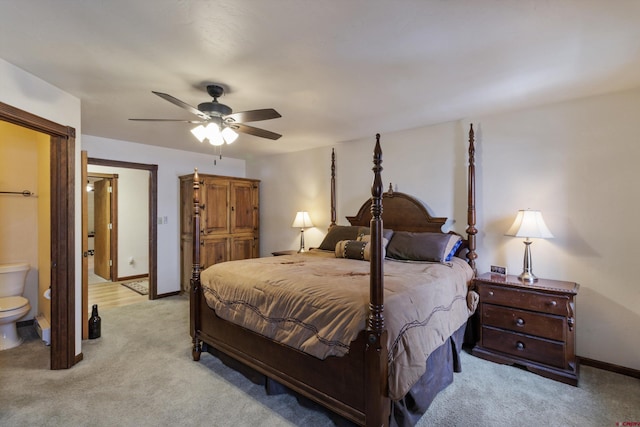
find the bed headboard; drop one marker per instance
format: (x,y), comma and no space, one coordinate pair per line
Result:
(402,212)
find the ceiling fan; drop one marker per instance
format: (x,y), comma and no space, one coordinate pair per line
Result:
(218,122)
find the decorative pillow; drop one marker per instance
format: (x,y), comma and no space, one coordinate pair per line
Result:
(387,233)
(412,246)
(337,233)
(367,238)
(454,249)
(355,249)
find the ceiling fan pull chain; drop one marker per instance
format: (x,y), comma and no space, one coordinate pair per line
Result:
(215,162)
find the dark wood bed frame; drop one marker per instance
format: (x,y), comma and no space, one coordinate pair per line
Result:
(353,386)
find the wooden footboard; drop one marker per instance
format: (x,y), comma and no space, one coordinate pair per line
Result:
(337,383)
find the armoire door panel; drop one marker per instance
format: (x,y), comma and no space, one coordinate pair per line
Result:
(216,206)
(243,247)
(213,251)
(242,207)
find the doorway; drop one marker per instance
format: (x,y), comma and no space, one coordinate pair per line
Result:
(102,230)
(121,176)
(62,173)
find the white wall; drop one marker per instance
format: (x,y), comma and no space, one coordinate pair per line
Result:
(171,164)
(574,161)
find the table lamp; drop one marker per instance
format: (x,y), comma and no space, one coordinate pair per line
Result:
(528,224)
(302,221)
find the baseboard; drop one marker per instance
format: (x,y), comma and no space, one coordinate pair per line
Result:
(139,276)
(169,294)
(78,358)
(609,367)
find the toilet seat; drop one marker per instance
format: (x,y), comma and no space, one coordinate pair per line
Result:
(12,303)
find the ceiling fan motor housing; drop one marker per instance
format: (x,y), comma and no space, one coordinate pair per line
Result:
(214,108)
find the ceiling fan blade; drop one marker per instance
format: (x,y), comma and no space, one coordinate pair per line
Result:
(255,131)
(253,115)
(168,120)
(176,101)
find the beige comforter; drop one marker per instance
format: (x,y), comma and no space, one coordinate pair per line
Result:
(317,303)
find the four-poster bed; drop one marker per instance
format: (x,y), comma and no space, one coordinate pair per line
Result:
(348,343)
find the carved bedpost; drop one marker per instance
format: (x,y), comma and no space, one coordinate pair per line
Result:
(196,293)
(471,209)
(333,187)
(376,306)
(378,405)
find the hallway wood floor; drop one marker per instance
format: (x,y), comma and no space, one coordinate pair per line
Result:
(112,294)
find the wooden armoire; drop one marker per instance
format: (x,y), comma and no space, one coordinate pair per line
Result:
(229,223)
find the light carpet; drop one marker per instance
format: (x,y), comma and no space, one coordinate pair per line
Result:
(140,373)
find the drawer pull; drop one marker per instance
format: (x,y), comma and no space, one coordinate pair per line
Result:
(553,303)
(520,345)
(490,293)
(520,321)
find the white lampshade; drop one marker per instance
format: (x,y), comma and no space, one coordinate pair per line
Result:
(302,220)
(529,223)
(229,135)
(200,132)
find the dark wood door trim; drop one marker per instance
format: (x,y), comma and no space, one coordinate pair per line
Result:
(62,252)
(153,213)
(62,172)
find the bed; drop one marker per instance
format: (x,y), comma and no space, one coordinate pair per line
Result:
(323,324)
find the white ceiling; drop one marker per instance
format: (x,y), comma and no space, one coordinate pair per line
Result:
(337,70)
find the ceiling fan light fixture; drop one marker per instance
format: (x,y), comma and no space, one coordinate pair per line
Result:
(200,132)
(229,135)
(213,134)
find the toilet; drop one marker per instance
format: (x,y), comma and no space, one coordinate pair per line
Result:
(13,306)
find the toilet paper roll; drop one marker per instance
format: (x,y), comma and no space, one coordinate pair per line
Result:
(47,293)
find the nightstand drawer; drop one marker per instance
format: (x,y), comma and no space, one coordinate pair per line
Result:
(523,346)
(526,322)
(528,300)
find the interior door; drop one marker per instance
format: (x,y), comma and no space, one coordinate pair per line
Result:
(102,225)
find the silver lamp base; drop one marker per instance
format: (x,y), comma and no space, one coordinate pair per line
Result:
(301,241)
(527,275)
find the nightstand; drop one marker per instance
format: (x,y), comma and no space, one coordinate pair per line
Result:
(531,325)
(288,252)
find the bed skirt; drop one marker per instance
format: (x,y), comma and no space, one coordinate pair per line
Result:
(406,412)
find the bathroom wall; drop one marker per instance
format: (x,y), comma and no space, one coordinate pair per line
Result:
(24,221)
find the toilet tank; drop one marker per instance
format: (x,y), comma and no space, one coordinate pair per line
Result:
(12,278)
